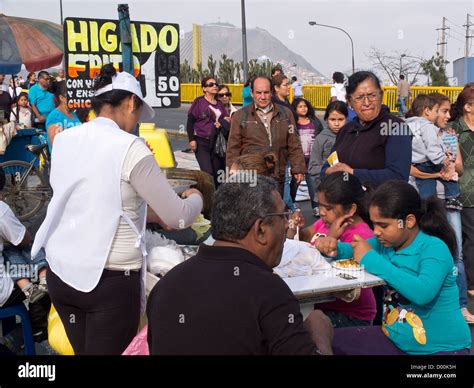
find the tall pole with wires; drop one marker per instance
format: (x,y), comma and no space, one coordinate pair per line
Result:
(443,49)
(468,35)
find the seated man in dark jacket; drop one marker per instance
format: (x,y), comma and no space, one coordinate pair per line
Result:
(226,299)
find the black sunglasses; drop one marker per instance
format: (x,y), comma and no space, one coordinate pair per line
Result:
(228,94)
(211,84)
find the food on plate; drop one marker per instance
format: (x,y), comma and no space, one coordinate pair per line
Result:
(347,264)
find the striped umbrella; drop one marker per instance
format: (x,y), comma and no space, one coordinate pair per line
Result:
(38,44)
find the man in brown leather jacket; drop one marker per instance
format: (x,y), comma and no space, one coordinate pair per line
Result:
(264,127)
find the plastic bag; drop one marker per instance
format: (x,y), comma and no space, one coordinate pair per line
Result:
(139,344)
(57,337)
(220,146)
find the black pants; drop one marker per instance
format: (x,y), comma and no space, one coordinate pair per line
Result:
(17,296)
(467,220)
(104,320)
(208,161)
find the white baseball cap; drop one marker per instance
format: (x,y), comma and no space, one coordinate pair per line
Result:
(126,81)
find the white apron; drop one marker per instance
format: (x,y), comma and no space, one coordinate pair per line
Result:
(85,211)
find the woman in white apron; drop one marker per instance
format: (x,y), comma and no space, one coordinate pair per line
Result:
(102,178)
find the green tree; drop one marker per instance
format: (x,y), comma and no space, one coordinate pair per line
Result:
(211,66)
(226,69)
(435,69)
(186,72)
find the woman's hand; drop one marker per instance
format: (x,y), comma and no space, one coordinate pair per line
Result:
(188,192)
(327,246)
(340,167)
(298,177)
(217,124)
(359,247)
(339,226)
(193,145)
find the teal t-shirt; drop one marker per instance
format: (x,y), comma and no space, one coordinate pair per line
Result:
(246,96)
(59,118)
(42,99)
(423,273)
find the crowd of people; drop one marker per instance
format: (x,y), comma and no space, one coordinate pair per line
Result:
(393,193)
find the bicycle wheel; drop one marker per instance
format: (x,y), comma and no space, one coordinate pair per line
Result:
(28,198)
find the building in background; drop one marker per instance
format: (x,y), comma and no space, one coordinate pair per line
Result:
(463,70)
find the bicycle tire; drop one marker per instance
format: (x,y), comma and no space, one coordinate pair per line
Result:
(28,200)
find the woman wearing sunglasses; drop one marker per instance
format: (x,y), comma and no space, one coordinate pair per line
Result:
(224,95)
(206,117)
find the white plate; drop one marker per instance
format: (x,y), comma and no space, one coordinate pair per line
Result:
(336,265)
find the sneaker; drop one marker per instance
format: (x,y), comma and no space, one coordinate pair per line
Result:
(33,293)
(453,204)
(42,285)
(316,212)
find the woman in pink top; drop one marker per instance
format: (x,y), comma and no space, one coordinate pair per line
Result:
(343,211)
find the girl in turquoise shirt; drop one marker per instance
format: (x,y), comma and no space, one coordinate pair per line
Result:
(412,251)
(60,118)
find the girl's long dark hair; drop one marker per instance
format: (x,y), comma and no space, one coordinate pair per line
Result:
(465,97)
(342,188)
(311,114)
(398,199)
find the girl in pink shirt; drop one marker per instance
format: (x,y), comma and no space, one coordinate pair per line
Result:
(343,211)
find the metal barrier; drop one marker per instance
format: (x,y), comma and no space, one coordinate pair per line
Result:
(319,95)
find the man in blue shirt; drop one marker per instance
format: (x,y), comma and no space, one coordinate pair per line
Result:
(41,99)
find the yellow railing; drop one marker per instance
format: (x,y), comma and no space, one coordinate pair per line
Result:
(319,95)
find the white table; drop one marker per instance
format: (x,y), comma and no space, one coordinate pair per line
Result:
(323,286)
(315,288)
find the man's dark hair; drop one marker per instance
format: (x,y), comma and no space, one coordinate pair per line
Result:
(357,78)
(43,73)
(294,79)
(338,77)
(252,82)
(236,207)
(402,76)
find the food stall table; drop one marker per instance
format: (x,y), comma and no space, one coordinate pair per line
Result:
(324,286)
(319,288)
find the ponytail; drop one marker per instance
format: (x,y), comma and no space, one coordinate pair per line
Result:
(434,221)
(398,199)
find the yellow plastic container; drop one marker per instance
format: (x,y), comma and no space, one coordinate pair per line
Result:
(158,143)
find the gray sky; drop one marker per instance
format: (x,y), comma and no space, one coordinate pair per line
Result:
(390,25)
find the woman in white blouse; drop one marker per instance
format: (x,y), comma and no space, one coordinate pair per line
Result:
(102,178)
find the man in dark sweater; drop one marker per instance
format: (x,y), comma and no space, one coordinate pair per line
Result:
(226,299)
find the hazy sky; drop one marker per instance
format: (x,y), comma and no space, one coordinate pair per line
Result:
(390,25)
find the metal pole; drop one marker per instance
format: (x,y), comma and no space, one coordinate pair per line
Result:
(345,32)
(125,38)
(244,42)
(401,56)
(61,10)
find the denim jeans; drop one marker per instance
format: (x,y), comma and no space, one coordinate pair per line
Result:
(287,190)
(402,106)
(454,219)
(427,187)
(21,265)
